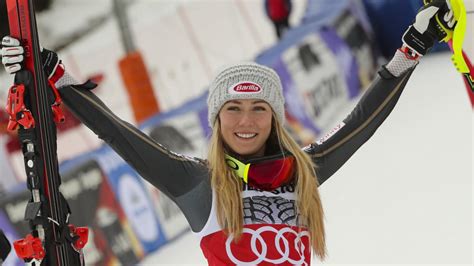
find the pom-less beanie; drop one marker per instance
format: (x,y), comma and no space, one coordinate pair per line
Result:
(246,81)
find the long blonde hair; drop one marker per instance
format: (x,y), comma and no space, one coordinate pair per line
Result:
(228,188)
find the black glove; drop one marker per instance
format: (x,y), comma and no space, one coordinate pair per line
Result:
(434,21)
(50,62)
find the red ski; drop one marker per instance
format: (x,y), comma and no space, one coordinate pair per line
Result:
(33,109)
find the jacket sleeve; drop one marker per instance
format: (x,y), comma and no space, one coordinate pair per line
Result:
(333,150)
(183,179)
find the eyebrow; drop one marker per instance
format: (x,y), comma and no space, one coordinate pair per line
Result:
(239,102)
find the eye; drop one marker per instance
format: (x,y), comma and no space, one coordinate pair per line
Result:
(232,108)
(260,108)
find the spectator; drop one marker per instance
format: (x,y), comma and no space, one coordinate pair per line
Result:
(279,13)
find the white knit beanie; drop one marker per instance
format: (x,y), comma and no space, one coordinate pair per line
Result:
(246,81)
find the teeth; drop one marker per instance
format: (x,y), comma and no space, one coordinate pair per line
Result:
(246,136)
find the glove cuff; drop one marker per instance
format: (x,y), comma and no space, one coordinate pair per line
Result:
(400,63)
(66,80)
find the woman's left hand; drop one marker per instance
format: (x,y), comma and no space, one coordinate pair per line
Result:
(434,21)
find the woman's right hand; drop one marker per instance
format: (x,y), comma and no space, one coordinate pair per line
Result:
(12,54)
(12,58)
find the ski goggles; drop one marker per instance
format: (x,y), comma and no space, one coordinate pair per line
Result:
(267,173)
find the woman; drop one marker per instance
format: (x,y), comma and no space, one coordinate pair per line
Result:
(255,199)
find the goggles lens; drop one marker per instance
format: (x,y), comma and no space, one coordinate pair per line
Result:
(267,173)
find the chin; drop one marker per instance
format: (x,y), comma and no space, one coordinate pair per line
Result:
(248,152)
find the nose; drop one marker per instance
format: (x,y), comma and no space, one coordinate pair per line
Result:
(246,119)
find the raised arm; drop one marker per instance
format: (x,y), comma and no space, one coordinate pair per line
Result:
(172,173)
(333,150)
(435,21)
(183,179)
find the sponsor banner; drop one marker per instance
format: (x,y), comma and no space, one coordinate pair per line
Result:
(93,204)
(346,62)
(315,72)
(298,123)
(358,36)
(319,77)
(134,199)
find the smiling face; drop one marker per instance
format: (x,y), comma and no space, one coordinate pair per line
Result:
(246,125)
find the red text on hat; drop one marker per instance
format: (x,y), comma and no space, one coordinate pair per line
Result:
(245,87)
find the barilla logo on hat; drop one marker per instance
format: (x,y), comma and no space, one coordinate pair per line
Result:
(245,87)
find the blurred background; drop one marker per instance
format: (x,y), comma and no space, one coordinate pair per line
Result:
(404,198)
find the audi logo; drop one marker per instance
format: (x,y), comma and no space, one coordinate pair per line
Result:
(281,243)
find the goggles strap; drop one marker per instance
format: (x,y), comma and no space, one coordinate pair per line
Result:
(241,169)
(246,173)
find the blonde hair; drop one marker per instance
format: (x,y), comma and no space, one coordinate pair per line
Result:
(228,189)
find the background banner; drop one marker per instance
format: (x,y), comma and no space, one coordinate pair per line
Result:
(95,205)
